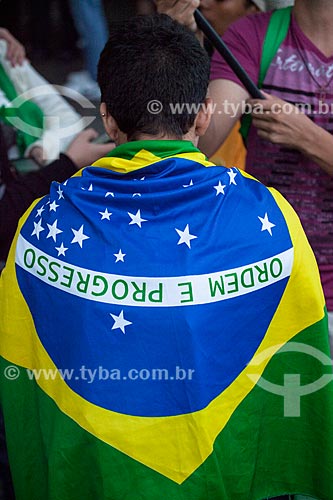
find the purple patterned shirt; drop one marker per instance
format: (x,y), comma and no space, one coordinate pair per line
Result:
(298,74)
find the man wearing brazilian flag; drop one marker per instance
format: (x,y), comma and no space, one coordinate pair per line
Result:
(163,328)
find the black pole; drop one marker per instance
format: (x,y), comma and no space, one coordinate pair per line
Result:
(221,47)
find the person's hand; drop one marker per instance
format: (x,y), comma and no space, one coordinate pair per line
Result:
(280,122)
(37,153)
(83,152)
(15,50)
(180,10)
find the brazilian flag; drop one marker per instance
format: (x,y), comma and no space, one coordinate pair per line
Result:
(163,335)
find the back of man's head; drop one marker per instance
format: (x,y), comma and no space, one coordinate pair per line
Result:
(153,58)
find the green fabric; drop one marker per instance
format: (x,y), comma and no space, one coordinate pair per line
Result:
(26,111)
(162,149)
(52,458)
(276,33)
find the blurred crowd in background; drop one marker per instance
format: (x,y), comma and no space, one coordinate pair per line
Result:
(50,32)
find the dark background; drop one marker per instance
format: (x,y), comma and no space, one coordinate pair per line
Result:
(46,29)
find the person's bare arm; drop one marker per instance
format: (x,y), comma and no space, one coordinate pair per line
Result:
(15,50)
(82,150)
(228,98)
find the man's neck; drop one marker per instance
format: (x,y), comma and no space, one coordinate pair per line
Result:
(190,136)
(315,18)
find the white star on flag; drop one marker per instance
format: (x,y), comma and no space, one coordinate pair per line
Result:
(53,206)
(109,194)
(53,230)
(185,236)
(60,193)
(120,322)
(188,185)
(136,219)
(136,194)
(119,256)
(232,176)
(40,211)
(219,188)
(38,228)
(61,250)
(79,237)
(106,214)
(90,188)
(266,225)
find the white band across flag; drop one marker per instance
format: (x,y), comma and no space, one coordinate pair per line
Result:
(153,291)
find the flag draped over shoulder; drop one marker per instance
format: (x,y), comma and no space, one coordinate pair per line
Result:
(163,335)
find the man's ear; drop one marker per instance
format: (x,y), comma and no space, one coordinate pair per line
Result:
(110,124)
(204,116)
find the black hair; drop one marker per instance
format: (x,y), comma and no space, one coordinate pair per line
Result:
(153,58)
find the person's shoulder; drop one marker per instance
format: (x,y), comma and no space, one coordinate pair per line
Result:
(263,192)
(245,38)
(255,186)
(254,25)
